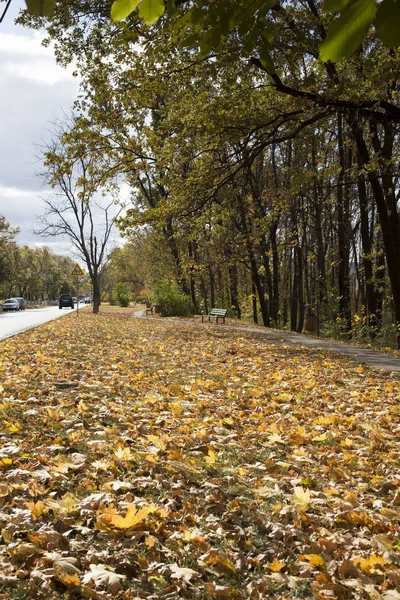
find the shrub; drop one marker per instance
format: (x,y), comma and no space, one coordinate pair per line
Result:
(121,295)
(173,302)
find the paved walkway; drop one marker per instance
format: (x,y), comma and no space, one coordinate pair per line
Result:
(372,358)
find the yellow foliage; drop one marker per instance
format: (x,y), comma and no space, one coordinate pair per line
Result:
(314,559)
(134,517)
(373,564)
(276,566)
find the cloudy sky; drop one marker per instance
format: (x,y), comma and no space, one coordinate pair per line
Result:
(35,92)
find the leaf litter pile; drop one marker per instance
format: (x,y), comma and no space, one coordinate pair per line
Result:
(150,459)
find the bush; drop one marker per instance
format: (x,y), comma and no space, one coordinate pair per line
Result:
(121,296)
(173,302)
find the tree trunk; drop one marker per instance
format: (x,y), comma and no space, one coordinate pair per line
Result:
(254,301)
(343,238)
(367,247)
(96,293)
(274,304)
(192,278)
(384,196)
(233,282)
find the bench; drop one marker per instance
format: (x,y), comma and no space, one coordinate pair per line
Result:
(154,309)
(216,313)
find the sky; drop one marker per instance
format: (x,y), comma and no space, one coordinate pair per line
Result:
(35,92)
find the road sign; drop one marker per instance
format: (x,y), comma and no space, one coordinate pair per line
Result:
(77,271)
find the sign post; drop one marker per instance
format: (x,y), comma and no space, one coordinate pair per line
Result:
(77,272)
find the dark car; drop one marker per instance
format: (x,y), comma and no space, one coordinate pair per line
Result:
(66,300)
(21,302)
(11,304)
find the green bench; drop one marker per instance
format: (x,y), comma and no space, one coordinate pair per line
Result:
(215,313)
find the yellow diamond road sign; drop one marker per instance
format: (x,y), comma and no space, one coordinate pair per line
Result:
(77,270)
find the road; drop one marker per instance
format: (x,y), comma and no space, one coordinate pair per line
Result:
(12,323)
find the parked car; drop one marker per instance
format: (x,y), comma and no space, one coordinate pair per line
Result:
(88,300)
(66,300)
(22,304)
(11,304)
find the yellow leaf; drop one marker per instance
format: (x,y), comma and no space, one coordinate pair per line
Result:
(6,462)
(158,442)
(320,438)
(36,508)
(191,534)
(301,497)
(275,438)
(66,504)
(133,517)
(13,428)
(276,565)
(101,465)
(67,579)
(150,541)
(6,535)
(331,491)
(211,457)
(124,453)
(82,407)
(329,420)
(314,559)
(370,564)
(347,442)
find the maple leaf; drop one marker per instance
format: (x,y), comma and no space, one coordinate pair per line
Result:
(104,576)
(124,453)
(275,438)
(134,517)
(301,498)
(158,442)
(373,564)
(66,504)
(36,508)
(184,573)
(276,565)
(69,580)
(211,457)
(314,559)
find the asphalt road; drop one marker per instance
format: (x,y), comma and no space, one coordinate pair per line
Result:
(12,323)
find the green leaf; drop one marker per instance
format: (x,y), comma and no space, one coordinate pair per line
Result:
(348,31)
(121,9)
(267,35)
(151,10)
(266,59)
(387,23)
(215,36)
(41,8)
(335,5)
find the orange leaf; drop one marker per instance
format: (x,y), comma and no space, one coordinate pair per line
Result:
(276,565)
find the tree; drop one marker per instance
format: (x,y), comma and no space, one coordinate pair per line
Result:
(82,207)
(209,24)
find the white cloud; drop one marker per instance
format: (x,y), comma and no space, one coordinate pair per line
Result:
(26,58)
(35,92)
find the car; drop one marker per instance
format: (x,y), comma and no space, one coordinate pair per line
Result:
(88,300)
(11,304)
(21,302)
(65,300)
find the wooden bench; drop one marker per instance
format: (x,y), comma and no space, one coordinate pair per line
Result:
(215,313)
(154,309)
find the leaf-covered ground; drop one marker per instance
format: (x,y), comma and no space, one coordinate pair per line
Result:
(147,459)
